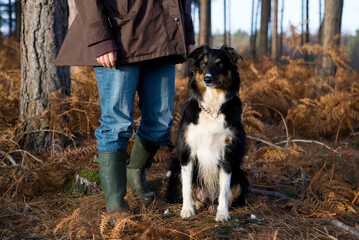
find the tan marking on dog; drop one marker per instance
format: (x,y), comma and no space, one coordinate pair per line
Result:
(234,192)
(201,88)
(220,91)
(226,81)
(218,60)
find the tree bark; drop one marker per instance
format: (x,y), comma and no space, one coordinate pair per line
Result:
(320,21)
(306,56)
(17,20)
(10,10)
(302,26)
(254,50)
(263,34)
(281,30)
(252,29)
(331,26)
(229,35)
(320,12)
(225,42)
(275,31)
(307,23)
(205,23)
(44,24)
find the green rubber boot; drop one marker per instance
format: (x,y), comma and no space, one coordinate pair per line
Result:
(141,158)
(112,167)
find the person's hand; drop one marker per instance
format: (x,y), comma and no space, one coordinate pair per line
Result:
(108,60)
(189,49)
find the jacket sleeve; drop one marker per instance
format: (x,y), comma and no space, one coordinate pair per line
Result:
(188,24)
(96,26)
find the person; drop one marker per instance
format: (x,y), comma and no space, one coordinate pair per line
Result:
(133,46)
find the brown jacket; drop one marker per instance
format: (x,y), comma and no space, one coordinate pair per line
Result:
(139,29)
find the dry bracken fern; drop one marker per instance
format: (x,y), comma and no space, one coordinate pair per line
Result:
(77,153)
(332,115)
(332,193)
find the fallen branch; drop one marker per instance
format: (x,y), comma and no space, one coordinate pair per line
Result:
(7,167)
(267,106)
(307,141)
(8,156)
(26,152)
(352,230)
(270,193)
(263,141)
(22,154)
(329,236)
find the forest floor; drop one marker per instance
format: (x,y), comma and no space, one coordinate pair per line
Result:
(302,161)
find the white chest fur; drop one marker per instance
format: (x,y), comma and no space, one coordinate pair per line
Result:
(207,141)
(208,138)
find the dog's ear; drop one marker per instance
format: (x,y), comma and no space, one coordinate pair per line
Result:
(198,52)
(232,54)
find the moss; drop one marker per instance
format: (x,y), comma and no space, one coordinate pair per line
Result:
(92,176)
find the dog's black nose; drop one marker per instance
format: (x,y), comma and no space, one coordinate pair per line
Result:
(208,79)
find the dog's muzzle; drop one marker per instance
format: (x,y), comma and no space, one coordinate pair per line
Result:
(209,81)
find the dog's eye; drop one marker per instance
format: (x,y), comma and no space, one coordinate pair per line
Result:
(220,65)
(203,65)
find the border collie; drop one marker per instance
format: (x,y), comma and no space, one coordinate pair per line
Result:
(211,140)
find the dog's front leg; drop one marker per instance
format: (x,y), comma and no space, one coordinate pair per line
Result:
(223,200)
(188,205)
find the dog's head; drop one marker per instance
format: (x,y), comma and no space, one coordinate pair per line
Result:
(214,68)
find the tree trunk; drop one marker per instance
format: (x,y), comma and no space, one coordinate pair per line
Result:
(275,31)
(320,21)
(263,34)
(0,24)
(229,35)
(307,23)
(254,50)
(281,30)
(320,12)
(331,26)
(302,26)
(17,20)
(306,56)
(252,30)
(225,42)
(44,24)
(205,23)
(10,10)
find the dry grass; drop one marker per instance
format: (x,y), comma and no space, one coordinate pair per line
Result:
(321,183)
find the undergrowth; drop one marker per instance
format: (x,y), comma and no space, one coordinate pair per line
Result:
(302,142)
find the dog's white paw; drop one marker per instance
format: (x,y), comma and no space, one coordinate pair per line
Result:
(187,212)
(222,216)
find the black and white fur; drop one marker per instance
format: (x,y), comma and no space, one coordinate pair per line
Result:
(211,140)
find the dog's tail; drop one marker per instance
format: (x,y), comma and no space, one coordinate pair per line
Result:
(174,187)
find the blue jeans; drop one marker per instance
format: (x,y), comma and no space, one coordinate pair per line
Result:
(155,84)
